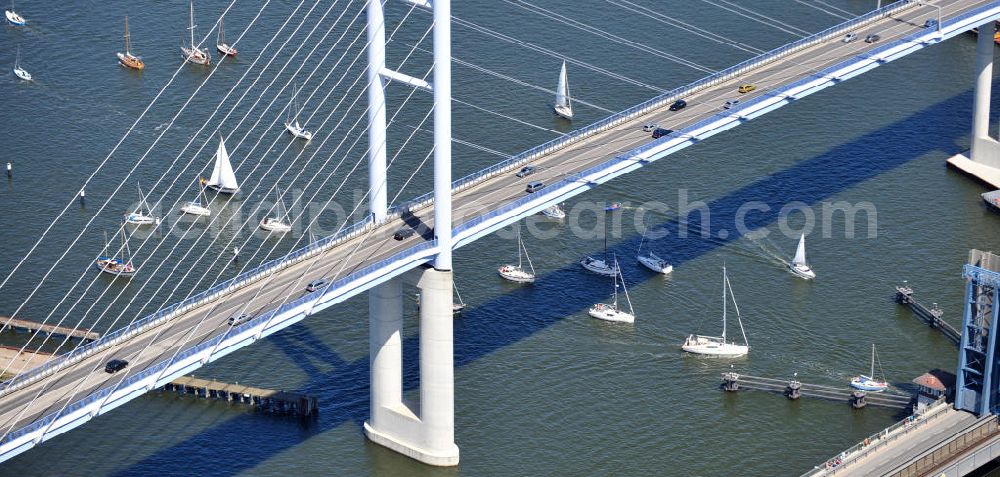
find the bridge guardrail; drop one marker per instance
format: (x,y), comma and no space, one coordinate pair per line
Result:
(458,185)
(211,343)
(657,102)
(876,441)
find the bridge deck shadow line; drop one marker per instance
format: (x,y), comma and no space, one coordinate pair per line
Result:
(477,336)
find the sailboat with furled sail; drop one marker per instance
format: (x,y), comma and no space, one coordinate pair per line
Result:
(518,274)
(221,45)
(192,53)
(292,124)
(127,59)
(198,206)
(223,178)
(717,345)
(798,265)
(114,264)
(563,106)
(870,382)
(612,312)
(278,223)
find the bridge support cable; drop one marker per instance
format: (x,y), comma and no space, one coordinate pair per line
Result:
(824,10)
(310,117)
(752,15)
(608,35)
(545,51)
(122,183)
(128,131)
(345,178)
(674,22)
(216,130)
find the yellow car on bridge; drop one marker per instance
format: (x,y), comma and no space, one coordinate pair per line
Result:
(746,88)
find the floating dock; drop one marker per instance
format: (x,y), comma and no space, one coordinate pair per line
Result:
(794,389)
(266,400)
(15,324)
(930,316)
(22,361)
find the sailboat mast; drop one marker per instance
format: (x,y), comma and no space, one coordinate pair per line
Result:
(126,36)
(724,303)
(871,373)
(191,21)
(519,246)
(222,33)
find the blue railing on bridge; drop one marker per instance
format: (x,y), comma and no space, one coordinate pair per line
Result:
(656,102)
(474,178)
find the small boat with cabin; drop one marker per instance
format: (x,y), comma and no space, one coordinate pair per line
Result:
(870,382)
(292,124)
(718,345)
(554,212)
(652,261)
(278,223)
(611,312)
(18,71)
(12,17)
(221,45)
(192,53)
(114,264)
(143,214)
(198,206)
(798,265)
(127,59)
(517,273)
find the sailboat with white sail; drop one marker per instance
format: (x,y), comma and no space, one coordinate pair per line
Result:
(798,265)
(611,312)
(278,223)
(651,260)
(192,53)
(517,273)
(221,45)
(143,214)
(717,345)
(870,382)
(18,71)
(116,265)
(223,178)
(563,105)
(127,59)
(292,124)
(198,206)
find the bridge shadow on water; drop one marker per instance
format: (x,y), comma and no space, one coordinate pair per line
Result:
(478,335)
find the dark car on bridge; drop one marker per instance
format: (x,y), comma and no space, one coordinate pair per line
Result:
(660,132)
(678,105)
(403,233)
(115,365)
(525,171)
(872,38)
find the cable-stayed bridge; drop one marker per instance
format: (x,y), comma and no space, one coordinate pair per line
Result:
(71,389)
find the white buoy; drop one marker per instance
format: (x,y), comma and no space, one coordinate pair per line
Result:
(236,254)
(83,195)
(10,169)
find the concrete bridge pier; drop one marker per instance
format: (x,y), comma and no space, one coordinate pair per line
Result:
(983,160)
(424,431)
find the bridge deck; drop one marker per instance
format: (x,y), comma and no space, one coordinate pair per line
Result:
(53,392)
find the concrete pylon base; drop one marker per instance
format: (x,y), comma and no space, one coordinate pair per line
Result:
(447,459)
(977,170)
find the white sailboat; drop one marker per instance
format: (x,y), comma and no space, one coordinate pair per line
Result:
(18,71)
(223,178)
(554,212)
(198,206)
(12,17)
(114,265)
(278,223)
(563,106)
(604,311)
(192,53)
(143,214)
(798,265)
(717,345)
(221,45)
(652,261)
(292,122)
(517,273)
(870,382)
(599,266)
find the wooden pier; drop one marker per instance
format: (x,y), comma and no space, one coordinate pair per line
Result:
(794,389)
(29,326)
(22,361)
(266,400)
(930,316)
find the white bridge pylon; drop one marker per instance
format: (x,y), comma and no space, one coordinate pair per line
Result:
(983,160)
(424,431)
